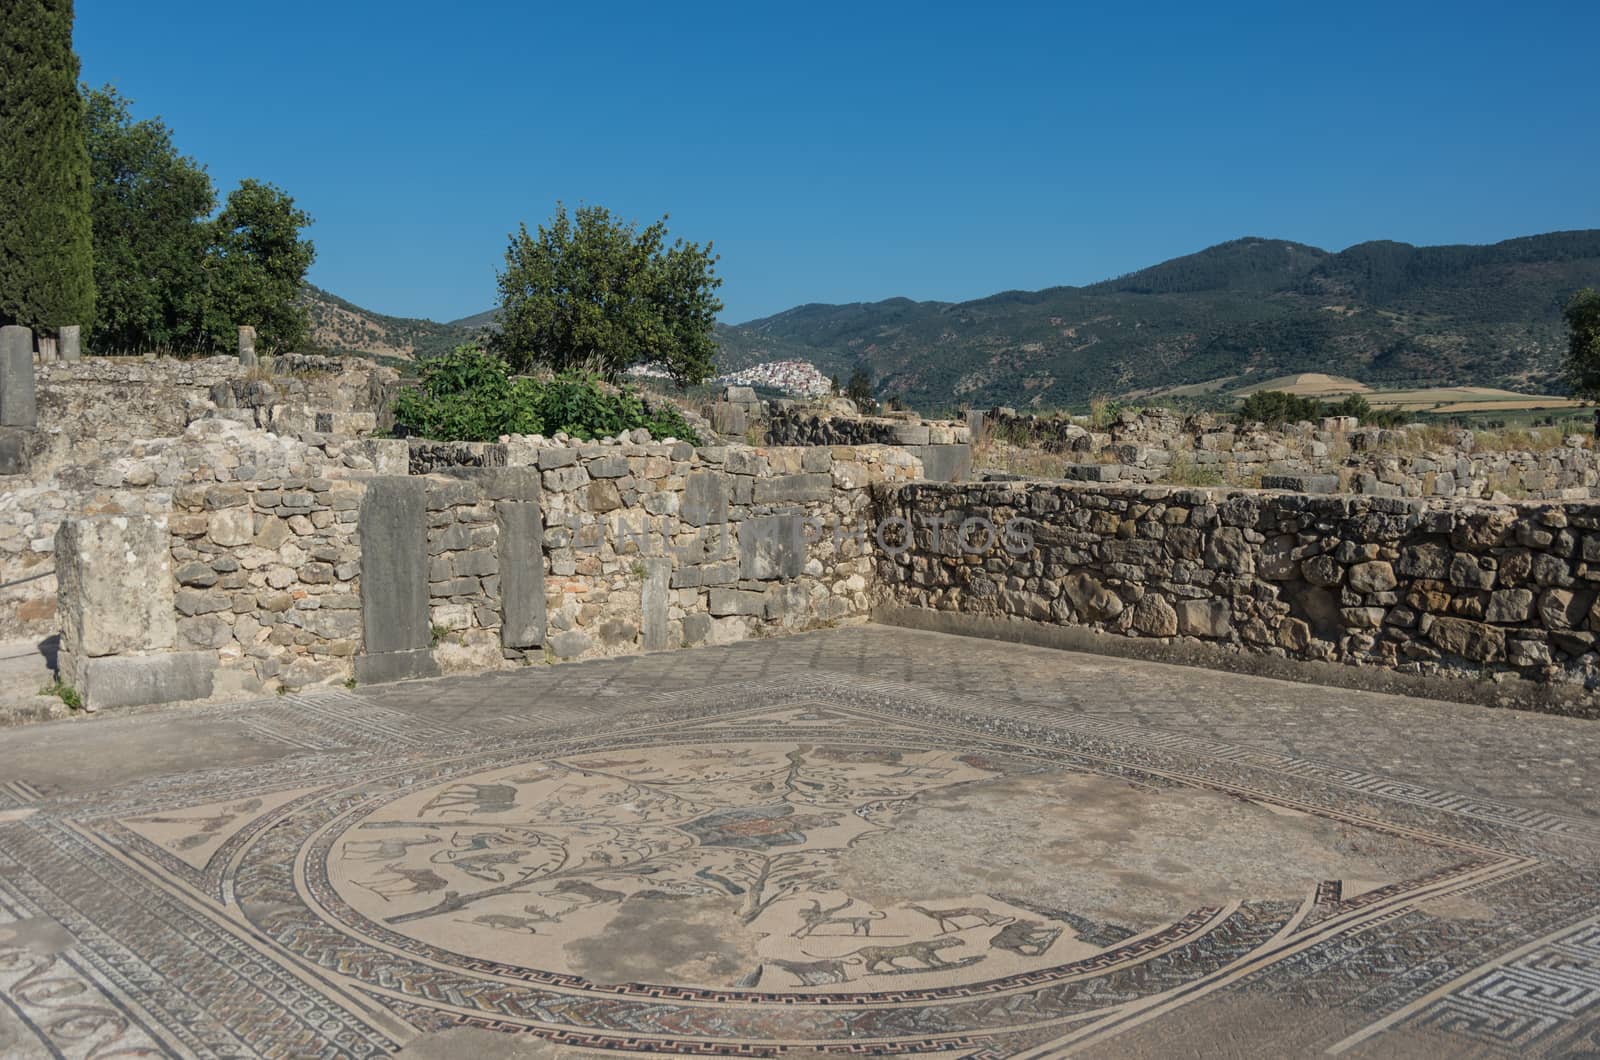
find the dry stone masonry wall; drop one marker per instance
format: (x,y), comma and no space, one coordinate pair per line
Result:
(1332,456)
(1502,597)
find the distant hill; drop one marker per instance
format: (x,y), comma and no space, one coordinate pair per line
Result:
(1225,320)
(1244,311)
(489,318)
(342,327)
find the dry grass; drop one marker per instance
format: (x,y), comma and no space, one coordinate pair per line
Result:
(1520,439)
(1185,472)
(997,455)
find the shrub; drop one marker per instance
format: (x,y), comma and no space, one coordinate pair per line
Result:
(1275,408)
(469,395)
(1359,407)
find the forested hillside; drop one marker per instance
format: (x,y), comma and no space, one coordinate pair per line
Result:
(1246,310)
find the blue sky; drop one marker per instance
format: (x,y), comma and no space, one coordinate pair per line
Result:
(840,153)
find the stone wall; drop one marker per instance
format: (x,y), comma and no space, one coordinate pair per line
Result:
(666,546)
(945,449)
(115,434)
(1332,456)
(291,564)
(267,577)
(1484,600)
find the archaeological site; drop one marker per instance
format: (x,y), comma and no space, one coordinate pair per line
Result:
(828,734)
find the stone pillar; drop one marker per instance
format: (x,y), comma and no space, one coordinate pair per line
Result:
(521,559)
(71,343)
(47,350)
(17,407)
(247,346)
(115,599)
(395,620)
(654,598)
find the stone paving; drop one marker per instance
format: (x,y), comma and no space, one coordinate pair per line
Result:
(865,841)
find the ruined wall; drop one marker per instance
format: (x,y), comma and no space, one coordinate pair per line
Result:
(115,434)
(668,546)
(1473,593)
(576,552)
(1332,456)
(945,449)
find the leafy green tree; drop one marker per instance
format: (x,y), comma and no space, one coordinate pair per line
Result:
(46,258)
(1583,346)
(256,267)
(859,390)
(592,292)
(150,231)
(1275,408)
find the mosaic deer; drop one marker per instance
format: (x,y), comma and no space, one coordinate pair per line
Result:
(403,881)
(468,799)
(950,919)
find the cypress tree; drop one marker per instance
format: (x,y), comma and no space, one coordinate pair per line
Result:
(46,253)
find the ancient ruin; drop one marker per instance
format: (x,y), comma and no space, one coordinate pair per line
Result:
(777,805)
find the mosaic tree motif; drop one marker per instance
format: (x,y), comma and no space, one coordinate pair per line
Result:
(555,847)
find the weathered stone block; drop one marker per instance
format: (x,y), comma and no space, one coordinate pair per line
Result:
(1093,601)
(140,680)
(394,550)
(16,450)
(772,547)
(1375,576)
(1092,472)
(571,644)
(115,587)
(232,527)
(705,499)
(1323,570)
(794,489)
(1509,605)
(654,597)
(736,602)
(603,497)
(18,407)
(1468,639)
(945,463)
(1295,482)
(393,666)
(696,629)
(1204,618)
(521,562)
(1154,617)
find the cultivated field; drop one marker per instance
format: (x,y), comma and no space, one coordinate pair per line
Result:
(1444,400)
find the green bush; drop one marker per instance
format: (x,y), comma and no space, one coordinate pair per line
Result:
(1275,408)
(1359,407)
(469,395)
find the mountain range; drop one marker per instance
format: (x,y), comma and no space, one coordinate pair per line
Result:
(1384,313)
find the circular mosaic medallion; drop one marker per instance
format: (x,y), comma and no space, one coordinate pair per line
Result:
(799,878)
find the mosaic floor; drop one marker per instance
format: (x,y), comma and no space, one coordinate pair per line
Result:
(810,864)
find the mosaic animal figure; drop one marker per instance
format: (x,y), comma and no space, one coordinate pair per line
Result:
(1028,938)
(885,960)
(816,917)
(468,799)
(403,881)
(502,922)
(815,973)
(950,919)
(588,892)
(383,849)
